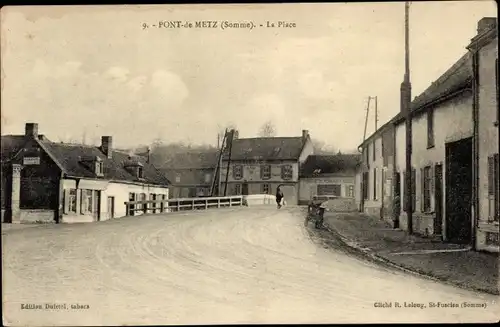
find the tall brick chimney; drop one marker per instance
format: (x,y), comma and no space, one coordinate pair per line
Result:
(107,146)
(305,134)
(485,24)
(31,129)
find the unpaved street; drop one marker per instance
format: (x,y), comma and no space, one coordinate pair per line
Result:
(241,265)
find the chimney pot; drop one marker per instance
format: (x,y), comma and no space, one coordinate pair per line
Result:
(107,146)
(31,129)
(486,24)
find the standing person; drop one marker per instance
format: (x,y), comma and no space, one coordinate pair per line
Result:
(279,196)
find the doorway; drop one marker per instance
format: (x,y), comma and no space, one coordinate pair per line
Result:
(459,191)
(438,197)
(244,188)
(111,207)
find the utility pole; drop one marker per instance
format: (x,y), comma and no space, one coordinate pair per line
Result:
(366,118)
(406,109)
(376,113)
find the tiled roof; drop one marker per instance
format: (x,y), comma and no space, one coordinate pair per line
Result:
(69,157)
(196,160)
(191,176)
(456,78)
(266,148)
(10,146)
(316,165)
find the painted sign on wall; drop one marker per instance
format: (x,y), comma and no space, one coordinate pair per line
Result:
(31,161)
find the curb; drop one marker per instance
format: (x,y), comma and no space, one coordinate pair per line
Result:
(369,253)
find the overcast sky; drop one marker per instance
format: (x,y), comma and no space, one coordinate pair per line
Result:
(95,71)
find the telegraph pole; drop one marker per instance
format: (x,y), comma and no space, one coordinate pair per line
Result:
(406,109)
(376,113)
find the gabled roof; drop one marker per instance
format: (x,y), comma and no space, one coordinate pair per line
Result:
(68,158)
(317,165)
(266,148)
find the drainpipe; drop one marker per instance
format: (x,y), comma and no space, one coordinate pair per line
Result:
(475,146)
(394,178)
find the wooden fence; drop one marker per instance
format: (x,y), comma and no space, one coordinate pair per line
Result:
(182,204)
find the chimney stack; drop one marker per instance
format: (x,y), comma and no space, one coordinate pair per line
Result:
(486,24)
(235,134)
(107,146)
(305,134)
(31,129)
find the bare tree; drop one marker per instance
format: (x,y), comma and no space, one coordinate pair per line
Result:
(267,129)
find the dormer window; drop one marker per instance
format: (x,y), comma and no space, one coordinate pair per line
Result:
(135,168)
(93,163)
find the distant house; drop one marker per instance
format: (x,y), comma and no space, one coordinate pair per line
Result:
(58,182)
(328,175)
(260,165)
(191,174)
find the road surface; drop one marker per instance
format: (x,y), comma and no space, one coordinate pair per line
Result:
(243,265)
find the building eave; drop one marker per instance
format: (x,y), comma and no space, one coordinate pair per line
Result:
(139,183)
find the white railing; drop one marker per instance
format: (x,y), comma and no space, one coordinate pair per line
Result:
(173,205)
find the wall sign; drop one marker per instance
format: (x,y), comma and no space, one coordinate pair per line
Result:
(31,161)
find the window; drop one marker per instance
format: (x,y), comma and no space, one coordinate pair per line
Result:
(152,197)
(72,200)
(86,205)
(140,172)
(374,183)
(367,155)
(493,188)
(178,178)
(374,150)
(286,172)
(329,189)
(430,128)
(426,188)
(142,197)
(237,172)
(237,189)
(131,198)
(366,182)
(266,189)
(349,191)
(208,177)
(265,172)
(99,171)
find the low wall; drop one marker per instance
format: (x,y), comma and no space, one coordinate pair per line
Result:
(37,216)
(259,199)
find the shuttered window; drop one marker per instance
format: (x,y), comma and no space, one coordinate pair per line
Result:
(70,201)
(426,182)
(265,172)
(413,191)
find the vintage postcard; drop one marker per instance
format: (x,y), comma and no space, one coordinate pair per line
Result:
(282,163)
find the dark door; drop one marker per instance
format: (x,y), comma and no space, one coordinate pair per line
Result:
(396,207)
(459,191)
(244,188)
(438,195)
(111,207)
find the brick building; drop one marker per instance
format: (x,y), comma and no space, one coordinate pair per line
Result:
(44,181)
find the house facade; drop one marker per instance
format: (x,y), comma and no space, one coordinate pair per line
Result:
(260,165)
(442,130)
(44,181)
(332,176)
(191,174)
(374,176)
(484,50)
(454,174)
